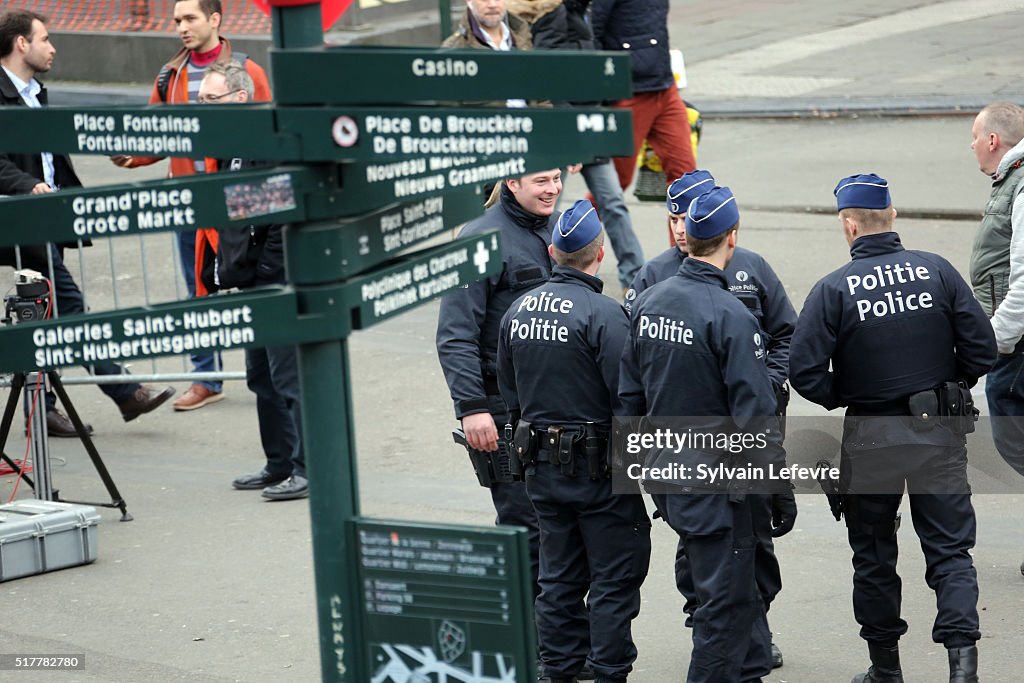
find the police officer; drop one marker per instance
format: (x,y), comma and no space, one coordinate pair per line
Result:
(558,369)
(695,350)
(899,329)
(755,284)
(467,326)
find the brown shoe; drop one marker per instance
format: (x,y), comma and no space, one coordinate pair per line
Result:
(197,396)
(59,424)
(144,400)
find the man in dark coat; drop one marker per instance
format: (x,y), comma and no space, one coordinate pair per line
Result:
(25,52)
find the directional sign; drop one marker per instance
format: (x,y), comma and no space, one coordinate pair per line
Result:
(349,247)
(378,135)
(448,602)
(317,134)
(206,200)
(389,75)
(222,322)
(181,130)
(423,276)
(365,187)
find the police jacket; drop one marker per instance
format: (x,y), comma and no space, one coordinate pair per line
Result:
(467,325)
(754,283)
(892,322)
(639,27)
(694,350)
(559,351)
(249,255)
(19,173)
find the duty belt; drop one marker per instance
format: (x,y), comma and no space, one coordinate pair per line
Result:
(563,444)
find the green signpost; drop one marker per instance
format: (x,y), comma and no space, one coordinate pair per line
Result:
(395,600)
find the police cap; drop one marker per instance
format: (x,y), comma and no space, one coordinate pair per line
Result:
(711,214)
(864,191)
(686,188)
(577,227)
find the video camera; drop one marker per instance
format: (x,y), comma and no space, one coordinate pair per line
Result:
(31,299)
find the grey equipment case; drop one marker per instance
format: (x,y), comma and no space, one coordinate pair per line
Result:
(40,536)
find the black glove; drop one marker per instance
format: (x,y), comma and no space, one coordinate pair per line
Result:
(783,513)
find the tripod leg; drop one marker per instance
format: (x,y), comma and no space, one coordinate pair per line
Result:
(90,448)
(17,384)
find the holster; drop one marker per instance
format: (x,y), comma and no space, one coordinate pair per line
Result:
(957,407)
(495,467)
(524,442)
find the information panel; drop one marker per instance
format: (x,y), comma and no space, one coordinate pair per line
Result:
(444,602)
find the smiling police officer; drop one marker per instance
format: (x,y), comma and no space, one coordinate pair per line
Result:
(592,541)
(715,370)
(905,339)
(755,284)
(467,331)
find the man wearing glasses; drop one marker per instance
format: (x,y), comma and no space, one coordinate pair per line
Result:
(252,256)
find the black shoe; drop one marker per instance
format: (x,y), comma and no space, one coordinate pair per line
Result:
(60,425)
(293,487)
(260,480)
(776,657)
(885,665)
(586,674)
(144,400)
(963,664)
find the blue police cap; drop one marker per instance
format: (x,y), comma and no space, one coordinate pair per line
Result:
(687,188)
(711,214)
(864,191)
(576,227)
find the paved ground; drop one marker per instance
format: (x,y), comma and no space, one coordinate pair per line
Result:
(212,584)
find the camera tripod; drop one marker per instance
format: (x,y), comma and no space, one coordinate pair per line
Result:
(42,486)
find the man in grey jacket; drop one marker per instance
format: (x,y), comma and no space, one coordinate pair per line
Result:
(997,269)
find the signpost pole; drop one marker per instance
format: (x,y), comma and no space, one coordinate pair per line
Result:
(327,433)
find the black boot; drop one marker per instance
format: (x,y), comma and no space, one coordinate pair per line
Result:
(963,664)
(885,665)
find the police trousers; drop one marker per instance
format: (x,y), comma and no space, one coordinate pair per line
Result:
(767,572)
(945,526)
(731,642)
(593,544)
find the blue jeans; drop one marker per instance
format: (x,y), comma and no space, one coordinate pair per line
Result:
(1004,388)
(201,362)
(603,183)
